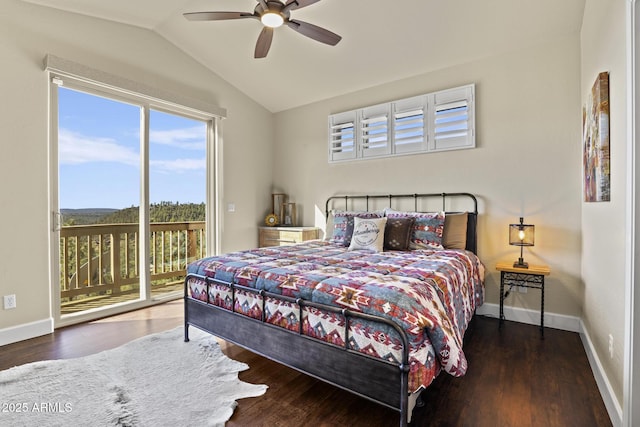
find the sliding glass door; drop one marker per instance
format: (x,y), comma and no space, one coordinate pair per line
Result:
(130,205)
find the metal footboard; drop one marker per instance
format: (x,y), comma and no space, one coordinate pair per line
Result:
(375,379)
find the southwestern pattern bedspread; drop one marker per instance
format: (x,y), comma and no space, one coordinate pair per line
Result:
(432,294)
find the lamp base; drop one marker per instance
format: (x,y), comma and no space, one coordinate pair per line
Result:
(520,264)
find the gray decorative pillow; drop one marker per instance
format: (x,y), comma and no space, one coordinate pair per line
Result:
(397,233)
(368,233)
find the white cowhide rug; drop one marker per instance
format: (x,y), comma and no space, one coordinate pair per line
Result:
(157,380)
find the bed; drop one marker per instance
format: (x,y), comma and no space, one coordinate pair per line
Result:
(379,307)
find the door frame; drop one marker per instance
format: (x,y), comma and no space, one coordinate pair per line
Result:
(59,71)
(631,398)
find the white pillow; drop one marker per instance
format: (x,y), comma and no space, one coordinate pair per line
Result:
(328,231)
(368,233)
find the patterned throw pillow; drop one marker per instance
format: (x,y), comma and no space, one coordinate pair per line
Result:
(397,233)
(368,233)
(342,231)
(427,230)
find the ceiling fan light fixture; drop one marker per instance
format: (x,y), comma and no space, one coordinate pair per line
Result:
(272,19)
(272,14)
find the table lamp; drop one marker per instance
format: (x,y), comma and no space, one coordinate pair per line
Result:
(521,235)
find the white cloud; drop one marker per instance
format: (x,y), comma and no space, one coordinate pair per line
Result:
(192,138)
(75,148)
(177,165)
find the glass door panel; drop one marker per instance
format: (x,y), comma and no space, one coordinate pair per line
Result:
(177,195)
(98,199)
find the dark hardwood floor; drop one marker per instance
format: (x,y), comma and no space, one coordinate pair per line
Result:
(514,378)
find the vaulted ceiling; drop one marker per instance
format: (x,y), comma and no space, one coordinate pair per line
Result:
(382,41)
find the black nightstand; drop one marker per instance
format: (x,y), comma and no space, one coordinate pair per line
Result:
(532,277)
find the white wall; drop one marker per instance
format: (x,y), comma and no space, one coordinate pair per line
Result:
(527,162)
(27,34)
(603,224)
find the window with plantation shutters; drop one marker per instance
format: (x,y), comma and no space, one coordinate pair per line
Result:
(452,120)
(342,136)
(409,125)
(374,131)
(438,121)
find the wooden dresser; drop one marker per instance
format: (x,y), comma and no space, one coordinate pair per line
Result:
(280,236)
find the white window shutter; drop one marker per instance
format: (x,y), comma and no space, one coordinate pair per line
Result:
(426,123)
(342,136)
(452,119)
(409,134)
(374,131)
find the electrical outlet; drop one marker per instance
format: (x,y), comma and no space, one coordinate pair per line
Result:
(9,302)
(611,346)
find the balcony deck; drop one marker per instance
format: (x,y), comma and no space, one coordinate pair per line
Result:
(100,264)
(91,303)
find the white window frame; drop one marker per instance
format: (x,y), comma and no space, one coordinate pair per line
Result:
(342,136)
(410,125)
(432,122)
(374,131)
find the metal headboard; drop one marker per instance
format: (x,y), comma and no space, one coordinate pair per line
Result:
(363,203)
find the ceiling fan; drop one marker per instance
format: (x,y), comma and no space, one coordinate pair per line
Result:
(272,14)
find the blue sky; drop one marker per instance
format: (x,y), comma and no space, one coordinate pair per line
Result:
(99,154)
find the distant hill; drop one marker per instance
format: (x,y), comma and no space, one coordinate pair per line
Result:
(84,216)
(159,212)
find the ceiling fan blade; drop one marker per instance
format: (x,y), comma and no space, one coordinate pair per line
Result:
(313,31)
(264,42)
(298,4)
(217,16)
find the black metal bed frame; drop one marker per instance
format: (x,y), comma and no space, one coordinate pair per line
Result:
(375,379)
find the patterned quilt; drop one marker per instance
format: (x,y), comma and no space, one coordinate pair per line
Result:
(431,294)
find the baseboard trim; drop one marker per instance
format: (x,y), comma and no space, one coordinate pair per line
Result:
(571,324)
(606,391)
(532,317)
(26,331)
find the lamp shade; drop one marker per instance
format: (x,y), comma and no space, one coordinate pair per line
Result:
(521,234)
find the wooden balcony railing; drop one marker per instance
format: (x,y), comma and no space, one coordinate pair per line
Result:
(104,259)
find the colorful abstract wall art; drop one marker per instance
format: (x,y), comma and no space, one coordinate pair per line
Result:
(595,137)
